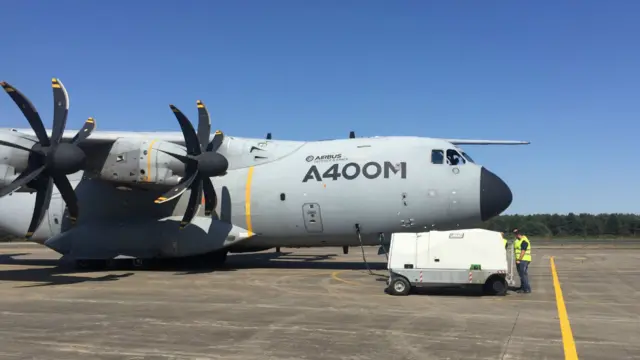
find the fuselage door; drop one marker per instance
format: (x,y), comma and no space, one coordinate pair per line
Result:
(312,217)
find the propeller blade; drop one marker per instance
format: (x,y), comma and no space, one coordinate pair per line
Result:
(86,130)
(23,179)
(225,205)
(177,190)
(195,198)
(43,198)
(60,110)
(16,146)
(204,125)
(210,200)
(214,145)
(184,159)
(190,137)
(29,111)
(68,195)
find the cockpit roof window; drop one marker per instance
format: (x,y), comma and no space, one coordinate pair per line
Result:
(454,158)
(466,156)
(437,156)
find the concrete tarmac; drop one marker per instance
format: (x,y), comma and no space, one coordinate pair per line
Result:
(313,304)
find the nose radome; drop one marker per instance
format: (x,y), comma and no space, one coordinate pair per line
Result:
(495,195)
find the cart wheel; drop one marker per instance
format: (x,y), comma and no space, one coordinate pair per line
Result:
(399,286)
(495,285)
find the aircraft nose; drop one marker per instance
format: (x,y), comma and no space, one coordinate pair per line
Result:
(495,195)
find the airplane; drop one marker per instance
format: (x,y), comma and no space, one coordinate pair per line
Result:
(93,196)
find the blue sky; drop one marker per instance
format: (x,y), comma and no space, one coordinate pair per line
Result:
(563,75)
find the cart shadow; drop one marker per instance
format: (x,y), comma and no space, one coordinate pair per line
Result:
(453,291)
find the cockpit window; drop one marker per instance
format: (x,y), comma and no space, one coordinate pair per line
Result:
(454,158)
(466,156)
(437,156)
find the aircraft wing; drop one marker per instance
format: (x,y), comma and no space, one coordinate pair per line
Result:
(107,137)
(487,142)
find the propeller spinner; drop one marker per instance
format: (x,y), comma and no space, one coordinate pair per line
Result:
(202,162)
(50,159)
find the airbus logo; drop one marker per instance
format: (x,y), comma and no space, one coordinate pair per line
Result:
(325,158)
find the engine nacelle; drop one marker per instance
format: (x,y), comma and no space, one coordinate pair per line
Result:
(13,161)
(138,161)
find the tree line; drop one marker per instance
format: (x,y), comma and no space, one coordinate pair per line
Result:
(547,225)
(615,225)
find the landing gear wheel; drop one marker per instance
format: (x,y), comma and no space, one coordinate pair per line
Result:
(399,287)
(91,264)
(217,258)
(139,263)
(496,286)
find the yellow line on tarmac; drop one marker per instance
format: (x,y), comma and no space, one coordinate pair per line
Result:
(334,276)
(569,344)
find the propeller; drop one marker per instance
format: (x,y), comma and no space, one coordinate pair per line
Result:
(50,160)
(202,162)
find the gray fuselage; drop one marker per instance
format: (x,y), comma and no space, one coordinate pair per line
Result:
(275,193)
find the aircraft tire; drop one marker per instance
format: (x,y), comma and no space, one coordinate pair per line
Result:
(140,263)
(91,264)
(217,257)
(399,287)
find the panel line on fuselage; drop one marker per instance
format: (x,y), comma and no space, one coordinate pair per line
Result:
(247,200)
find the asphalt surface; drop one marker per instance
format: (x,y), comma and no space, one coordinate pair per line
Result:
(312,304)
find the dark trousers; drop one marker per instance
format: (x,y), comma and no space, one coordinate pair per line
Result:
(523,272)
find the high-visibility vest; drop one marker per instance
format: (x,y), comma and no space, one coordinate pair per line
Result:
(505,242)
(518,249)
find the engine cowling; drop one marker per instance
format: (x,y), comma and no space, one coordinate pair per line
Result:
(138,161)
(13,161)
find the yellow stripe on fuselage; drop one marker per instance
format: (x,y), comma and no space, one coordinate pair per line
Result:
(247,201)
(148,179)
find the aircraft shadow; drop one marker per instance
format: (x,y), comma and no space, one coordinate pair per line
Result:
(51,277)
(54,272)
(273,260)
(48,272)
(298,261)
(10,259)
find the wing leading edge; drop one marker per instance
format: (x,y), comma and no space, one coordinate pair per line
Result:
(101,137)
(177,137)
(486,142)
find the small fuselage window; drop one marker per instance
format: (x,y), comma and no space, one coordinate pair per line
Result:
(454,158)
(437,156)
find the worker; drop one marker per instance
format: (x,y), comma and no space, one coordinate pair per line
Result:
(506,242)
(522,247)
